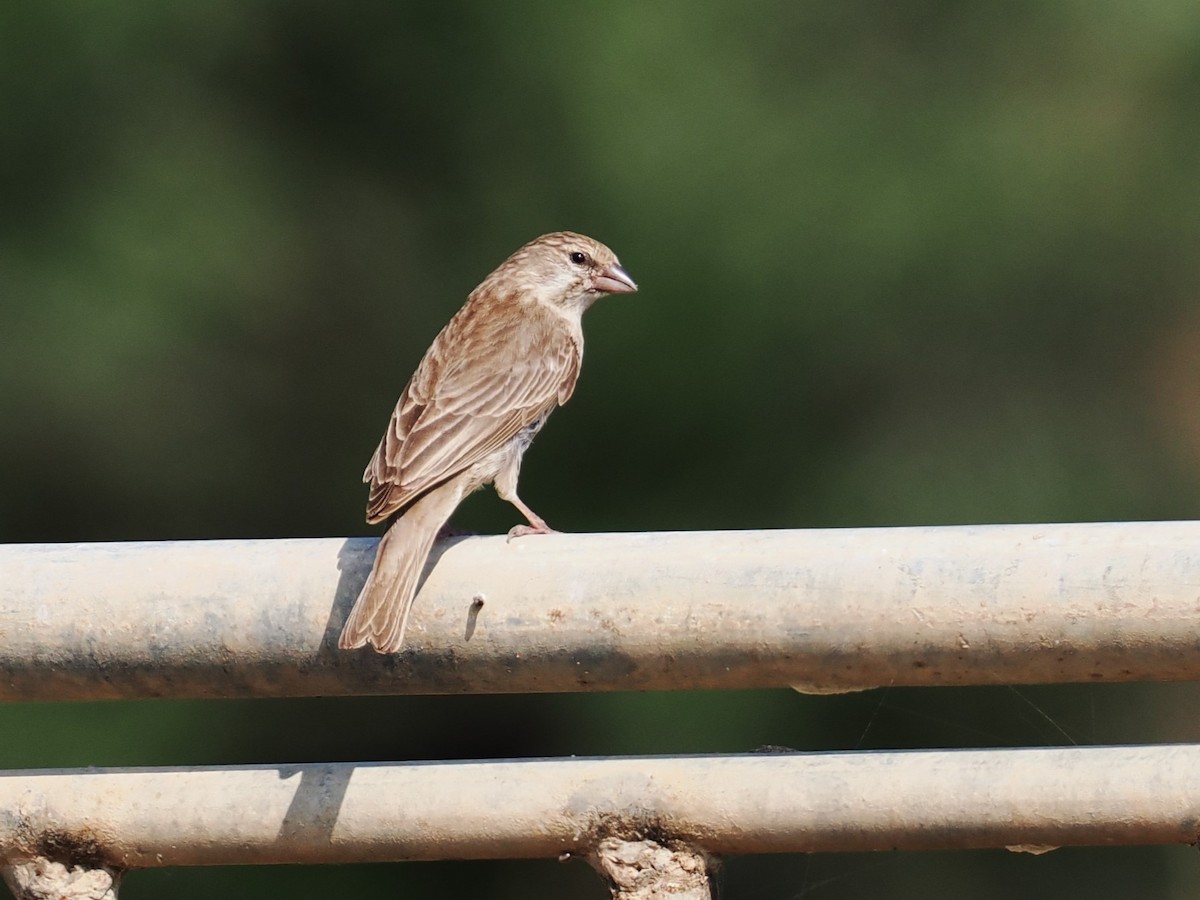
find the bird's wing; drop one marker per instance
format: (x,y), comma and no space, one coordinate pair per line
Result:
(486,377)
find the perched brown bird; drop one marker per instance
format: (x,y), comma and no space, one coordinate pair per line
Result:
(482,391)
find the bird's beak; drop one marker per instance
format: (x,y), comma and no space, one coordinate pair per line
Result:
(614,280)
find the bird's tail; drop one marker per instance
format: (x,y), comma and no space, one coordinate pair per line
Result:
(380,614)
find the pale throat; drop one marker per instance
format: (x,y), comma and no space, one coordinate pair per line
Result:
(567,297)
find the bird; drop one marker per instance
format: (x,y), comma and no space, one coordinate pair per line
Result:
(484,388)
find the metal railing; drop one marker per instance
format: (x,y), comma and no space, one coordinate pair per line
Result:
(822,610)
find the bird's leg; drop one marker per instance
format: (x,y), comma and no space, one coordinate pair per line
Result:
(506,487)
(537,525)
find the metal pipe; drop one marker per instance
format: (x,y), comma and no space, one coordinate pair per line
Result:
(827,609)
(758,803)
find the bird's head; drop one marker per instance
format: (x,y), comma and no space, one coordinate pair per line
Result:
(568,270)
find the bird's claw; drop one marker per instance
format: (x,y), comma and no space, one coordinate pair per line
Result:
(523,530)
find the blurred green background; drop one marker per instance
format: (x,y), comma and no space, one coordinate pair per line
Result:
(910,263)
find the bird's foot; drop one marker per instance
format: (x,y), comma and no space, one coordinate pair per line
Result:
(522,530)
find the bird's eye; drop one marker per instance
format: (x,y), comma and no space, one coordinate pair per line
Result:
(579,258)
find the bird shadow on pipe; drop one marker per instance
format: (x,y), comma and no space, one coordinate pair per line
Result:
(312,815)
(355,559)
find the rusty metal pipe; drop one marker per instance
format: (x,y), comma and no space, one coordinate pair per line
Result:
(828,609)
(1031,799)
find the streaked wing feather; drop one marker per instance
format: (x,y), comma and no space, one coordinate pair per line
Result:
(444,443)
(456,411)
(478,412)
